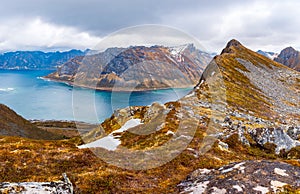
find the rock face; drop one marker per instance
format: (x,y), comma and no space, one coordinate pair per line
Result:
(136,68)
(34,60)
(59,187)
(244,177)
(290,58)
(12,124)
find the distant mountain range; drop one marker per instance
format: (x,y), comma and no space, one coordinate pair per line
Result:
(270,55)
(136,68)
(34,60)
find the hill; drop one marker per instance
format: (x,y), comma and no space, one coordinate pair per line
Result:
(12,124)
(135,68)
(36,60)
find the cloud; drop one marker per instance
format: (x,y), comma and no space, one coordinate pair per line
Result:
(259,24)
(32,34)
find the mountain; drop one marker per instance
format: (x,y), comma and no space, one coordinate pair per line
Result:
(12,124)
(135,68)
(236,131)
(270,55)
(248,93)
(290,58)
(36,59)
(242,97)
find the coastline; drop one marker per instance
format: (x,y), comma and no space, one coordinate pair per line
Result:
(69,83)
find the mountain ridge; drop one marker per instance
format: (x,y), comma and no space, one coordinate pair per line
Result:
(37,60)
(136,68)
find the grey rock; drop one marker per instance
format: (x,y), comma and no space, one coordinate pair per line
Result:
(244,177)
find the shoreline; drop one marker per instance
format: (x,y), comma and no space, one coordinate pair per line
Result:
(69,83)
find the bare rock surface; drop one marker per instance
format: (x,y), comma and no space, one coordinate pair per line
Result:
(243,177)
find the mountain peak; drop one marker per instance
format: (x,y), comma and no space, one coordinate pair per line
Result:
(290,58)
(232,43)
(289,49)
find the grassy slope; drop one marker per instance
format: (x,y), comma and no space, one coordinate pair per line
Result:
(12,124)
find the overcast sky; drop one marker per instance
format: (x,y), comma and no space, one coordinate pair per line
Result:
(60,25)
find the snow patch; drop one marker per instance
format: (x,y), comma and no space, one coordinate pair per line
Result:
(238,188)
(110,142)
(199,188)
(190,95)
(170,133)
(277,185)
(237,166)
(263,190)
(281,172)
(218,191)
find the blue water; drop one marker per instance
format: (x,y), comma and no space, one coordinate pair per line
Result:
(35,98)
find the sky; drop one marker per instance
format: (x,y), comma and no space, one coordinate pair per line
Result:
(65,24)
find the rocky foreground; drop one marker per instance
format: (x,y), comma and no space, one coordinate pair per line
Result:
(58,187)
(249,177)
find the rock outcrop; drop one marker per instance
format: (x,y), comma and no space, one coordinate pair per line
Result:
(58,187)
(244,177)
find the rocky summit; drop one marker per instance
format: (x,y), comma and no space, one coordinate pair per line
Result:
(136,68)
(289,57)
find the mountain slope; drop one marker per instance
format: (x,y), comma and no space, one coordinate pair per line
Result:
(36,59)
(11,124)
(241,93)
(136,68)
(290,58)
